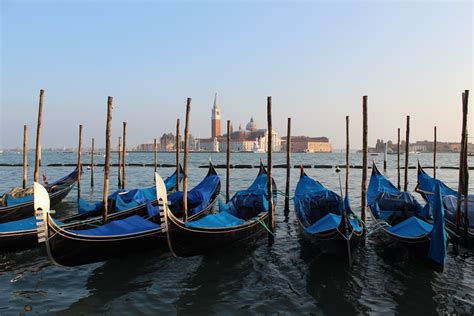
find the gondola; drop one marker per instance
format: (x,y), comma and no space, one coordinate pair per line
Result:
(244,218)
(20,205)
(20,235)
(90,241)
(401,218)
(426,185)
(325,219)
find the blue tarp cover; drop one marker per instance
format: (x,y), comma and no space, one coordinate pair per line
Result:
(10,200)
(22,224)
(127,199)
(247,204)
(426,185)
(199,197)
(386,200)
(313,201)
(129,225)
(329,222)
(411,227)
(437,251)
(320,209)
(451,206)
(244,205)
(222,219)
(356,224)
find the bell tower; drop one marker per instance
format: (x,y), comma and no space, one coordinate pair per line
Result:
(216,119)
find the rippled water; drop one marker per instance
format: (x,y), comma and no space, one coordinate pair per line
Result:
(284,278)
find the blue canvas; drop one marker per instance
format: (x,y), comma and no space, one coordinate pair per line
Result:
(130,225)
(222,219)
(437,251)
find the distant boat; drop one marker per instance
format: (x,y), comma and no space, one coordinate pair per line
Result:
(374,154)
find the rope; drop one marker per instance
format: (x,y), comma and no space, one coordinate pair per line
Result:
(265,226)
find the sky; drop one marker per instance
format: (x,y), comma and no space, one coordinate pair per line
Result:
(315,58)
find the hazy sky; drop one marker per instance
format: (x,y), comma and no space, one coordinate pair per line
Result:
(317,60)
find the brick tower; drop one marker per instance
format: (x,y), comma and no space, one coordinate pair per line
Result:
(216,119)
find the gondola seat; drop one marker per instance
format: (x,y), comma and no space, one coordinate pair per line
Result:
(129,225)
(412,227)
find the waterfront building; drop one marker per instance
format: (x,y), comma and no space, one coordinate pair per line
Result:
(308,144)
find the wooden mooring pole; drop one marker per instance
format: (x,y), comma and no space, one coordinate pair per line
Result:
(107,160)
(25,155)
(177,156)
(124,155)
(365,152)
(186,158)
(461,166)
(466,175)
(286,210)
(434,152)
(38,136)
(92,162)
(79,167)
(398,161)
(155,149)
(119,163)
(271,214)
(407,153)
(346,193)
(227,171)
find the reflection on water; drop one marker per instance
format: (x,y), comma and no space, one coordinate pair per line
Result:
(286,278)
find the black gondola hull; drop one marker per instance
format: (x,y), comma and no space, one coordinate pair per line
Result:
(68,249)
(187,242)
(332,242)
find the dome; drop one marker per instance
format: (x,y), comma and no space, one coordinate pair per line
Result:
(251,126)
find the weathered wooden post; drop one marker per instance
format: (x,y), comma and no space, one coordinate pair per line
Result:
(346,193)
(288,168)
(271,215)
(461,165)
(365,152)
(155,149)
(177,155)
(107,160)
(227,173)
(38,137)
(119,163)
(124,154)
(434,153)
(185,179)
(79,167)
(398,160)
(92,162)
(407,153)
(25,154)
(385,157)
(466,176)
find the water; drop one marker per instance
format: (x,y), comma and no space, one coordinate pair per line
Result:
(286,278)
